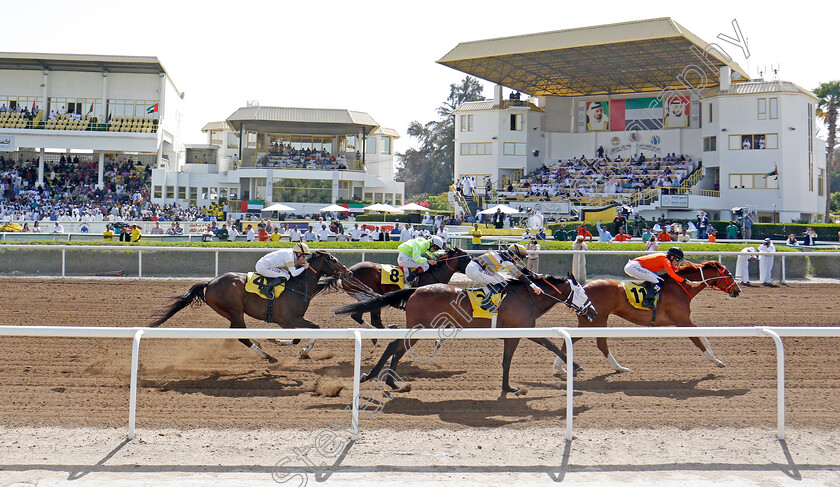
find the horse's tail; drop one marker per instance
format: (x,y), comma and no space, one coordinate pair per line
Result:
(397,299)
(194,295)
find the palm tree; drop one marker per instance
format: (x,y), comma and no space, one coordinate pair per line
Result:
(827,107)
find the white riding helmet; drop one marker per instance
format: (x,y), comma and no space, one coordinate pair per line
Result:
(438,242)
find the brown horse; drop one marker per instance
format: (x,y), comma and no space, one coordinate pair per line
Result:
(674,307)
(367,280)
(448,308)
(227,296)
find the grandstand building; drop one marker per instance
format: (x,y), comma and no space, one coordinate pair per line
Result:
(712,138)
(305,158)
(99,108)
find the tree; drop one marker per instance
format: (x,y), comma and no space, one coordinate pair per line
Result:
(827,107)
(429,168)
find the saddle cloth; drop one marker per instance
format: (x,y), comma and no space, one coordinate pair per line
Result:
(635,293)
(393,275)
(255,281)
(477,296)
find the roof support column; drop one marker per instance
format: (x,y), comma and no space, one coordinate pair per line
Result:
(41,168)
(497,95)
(102,117)
(45,85)
(101,182)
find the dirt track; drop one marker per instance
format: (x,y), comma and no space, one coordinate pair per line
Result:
(204,383)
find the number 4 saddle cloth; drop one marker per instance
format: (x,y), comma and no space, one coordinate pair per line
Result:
(255,282)
(393,275)
(635,292)
(477,296)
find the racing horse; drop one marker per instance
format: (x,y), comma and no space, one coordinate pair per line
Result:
(367,280)
(447,307)
(227,296)
(674,307)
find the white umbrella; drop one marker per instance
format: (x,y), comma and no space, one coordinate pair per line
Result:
(383,208)
(278,207)
(333,208)
(507,210)
(413,207)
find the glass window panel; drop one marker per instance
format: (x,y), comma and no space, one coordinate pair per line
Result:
(170,192)
(760,181)
(734,142)
(734,181)
(182,193)
(762,108)
(386,145)
(774,108)
(371,145)
(772,141)
(158,191)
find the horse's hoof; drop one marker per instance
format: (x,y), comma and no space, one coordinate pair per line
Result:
(720,364)
(364,378)
(295,341)
(373,341)
(272,360)
(303,355)
(621,369)
(510,389)
(558,365)
(392,326)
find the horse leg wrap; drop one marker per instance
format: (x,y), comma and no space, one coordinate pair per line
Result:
(256,348)
(615,365)
(269,310)
(558,365)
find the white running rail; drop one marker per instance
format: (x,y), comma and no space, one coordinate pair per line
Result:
(358,334)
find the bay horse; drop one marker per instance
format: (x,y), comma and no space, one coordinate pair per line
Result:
(674,307)
(227,296)
(367,280)
(447,307)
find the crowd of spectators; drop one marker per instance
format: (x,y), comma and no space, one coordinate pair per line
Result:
(284,156)
(581,178)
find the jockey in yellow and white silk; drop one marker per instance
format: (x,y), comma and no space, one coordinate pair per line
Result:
(485,269)
(417,254)
(281,265)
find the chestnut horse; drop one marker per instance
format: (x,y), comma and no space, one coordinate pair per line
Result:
(227,296)
(367,280)
(674,307)
(447,307)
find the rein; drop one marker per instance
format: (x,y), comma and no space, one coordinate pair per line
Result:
(706,281)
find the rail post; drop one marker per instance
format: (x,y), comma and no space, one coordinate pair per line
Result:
(217,263)
(132,402)
(570,382)
(780,381)
(357,375)
(139,263)
(782,279)
(63,262)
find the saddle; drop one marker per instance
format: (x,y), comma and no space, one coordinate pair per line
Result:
(636,293)
(478,297)
(393,275)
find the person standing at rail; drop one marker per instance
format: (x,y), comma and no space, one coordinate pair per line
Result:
(765,262)
(742,267)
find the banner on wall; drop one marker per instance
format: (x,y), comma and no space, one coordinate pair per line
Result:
(7,143)
(636,114)
(597,116)
(676,112)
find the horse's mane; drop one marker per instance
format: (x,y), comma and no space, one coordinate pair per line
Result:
(686,266)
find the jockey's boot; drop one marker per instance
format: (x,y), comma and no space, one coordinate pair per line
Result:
(268,288)
(650,293)
(492,290)
(413,276)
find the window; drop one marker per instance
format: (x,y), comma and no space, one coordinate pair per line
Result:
(710,112)
(369,197)
(516,122)
(753,141)
(514,148)
(398,199)
(386,145)
(821,183)
(762,108)
(370,145)
(232,141)
(476,149)
(377,198)
(350,143)
(158,191)
(774,108)
(170,192)
(115,107)
(302,190)
(753,181)
(466,123)
(710,144)
(182,192)
(204,194)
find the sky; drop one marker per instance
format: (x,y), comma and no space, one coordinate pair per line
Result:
(371,56)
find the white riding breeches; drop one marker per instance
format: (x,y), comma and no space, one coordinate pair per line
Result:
(404,260)
(478,274)
(271,271)
(635,269)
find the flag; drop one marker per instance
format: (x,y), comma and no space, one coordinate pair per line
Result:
(636,114)
(152,108)
(774,172)
(91,108)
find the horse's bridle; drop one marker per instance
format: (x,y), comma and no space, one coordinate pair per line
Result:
(728,289)
(569,301)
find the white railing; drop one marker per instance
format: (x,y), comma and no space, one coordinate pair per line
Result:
(364,252)
(357,335)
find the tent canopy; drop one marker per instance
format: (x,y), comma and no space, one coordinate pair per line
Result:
(279,207)
(507,210)
(383,208)
(333,208)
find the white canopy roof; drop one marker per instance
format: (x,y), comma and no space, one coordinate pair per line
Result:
(507,210)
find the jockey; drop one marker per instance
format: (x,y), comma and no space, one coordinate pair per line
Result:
(280,265)
(417,255)
(485,268)
(649,267)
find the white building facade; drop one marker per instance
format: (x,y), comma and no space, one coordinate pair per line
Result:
(253,158)
(110,106)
